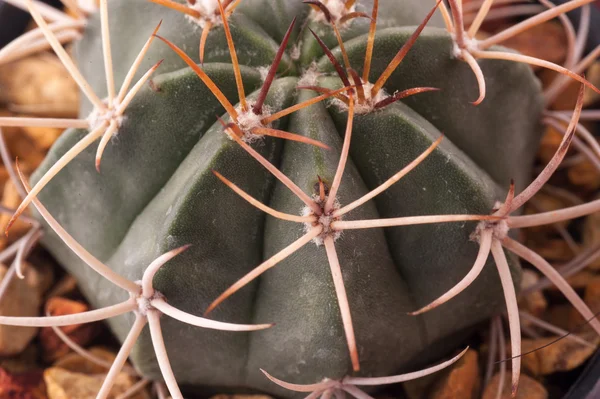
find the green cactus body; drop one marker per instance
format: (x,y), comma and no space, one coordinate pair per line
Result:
(156,191)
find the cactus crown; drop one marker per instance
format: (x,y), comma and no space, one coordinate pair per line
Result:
(175,190)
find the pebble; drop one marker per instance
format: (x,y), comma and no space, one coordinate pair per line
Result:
(22,298)
(64,384)
(563,355)
(40,80)
(52,346)
(528,388)
(461,380)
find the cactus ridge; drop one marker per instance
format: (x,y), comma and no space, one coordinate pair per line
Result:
(162,199)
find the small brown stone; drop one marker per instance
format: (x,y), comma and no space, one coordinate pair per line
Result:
(461,380)
(542,202)
(559,315)
(63,384)
(43,137)
(591,236)
(25,361)
(549,144)
(20,299)
(3,172)
(535,302)
(76,363)
(419,388)
(563,355)
(545,239)
(545,41)
(577,281)
(28,385)
(592,300)
(593,75)
(530,362)
(552,249)
(43,278)
(21,145)
(59,306)
(66,286)
(567,99)
(528,388)
(585,175)
(52,346)
(39,80)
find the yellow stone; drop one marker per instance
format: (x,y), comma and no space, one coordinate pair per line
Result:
(64,384)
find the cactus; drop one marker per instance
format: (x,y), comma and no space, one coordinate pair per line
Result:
(322,133)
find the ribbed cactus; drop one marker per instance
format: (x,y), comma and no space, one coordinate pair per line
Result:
(173,175)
